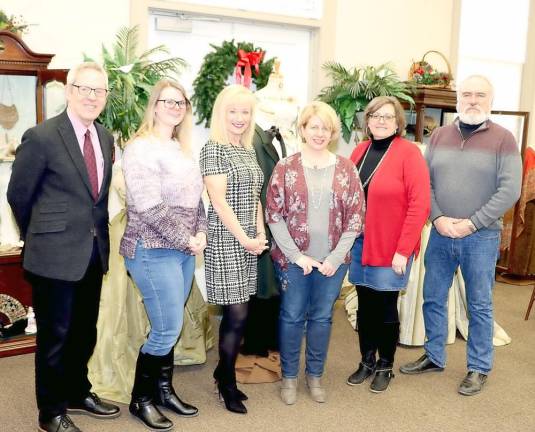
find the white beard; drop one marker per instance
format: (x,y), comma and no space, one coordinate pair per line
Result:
(472,118)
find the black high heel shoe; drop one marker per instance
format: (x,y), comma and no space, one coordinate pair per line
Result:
(229,394)
(217,378)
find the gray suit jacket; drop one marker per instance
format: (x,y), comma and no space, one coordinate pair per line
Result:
(50,194)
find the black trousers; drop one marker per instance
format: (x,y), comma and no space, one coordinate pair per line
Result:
(66,314)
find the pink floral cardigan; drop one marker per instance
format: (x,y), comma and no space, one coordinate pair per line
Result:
(287,199)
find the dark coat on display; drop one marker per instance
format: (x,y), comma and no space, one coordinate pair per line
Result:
(267,157)
(260,334)
(50,194)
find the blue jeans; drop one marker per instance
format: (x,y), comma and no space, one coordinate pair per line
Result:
(164,278)
(306,300)
(476,256)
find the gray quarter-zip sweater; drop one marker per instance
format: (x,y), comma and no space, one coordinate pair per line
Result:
(477,178)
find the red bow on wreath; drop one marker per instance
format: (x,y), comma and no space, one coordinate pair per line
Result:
(246,60)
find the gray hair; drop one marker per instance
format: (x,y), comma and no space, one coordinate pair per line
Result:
(73,73)
(480,77)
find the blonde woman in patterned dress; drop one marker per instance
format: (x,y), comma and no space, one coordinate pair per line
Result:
(235,227)
(315,209)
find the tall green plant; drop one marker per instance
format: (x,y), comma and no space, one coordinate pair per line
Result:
(353,88)
(131,78)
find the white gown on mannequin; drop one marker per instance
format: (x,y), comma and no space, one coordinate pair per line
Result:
(278,108)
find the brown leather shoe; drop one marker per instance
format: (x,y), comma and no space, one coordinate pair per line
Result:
(60,423)
(93,406)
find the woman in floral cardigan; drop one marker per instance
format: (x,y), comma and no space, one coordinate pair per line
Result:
(314,209)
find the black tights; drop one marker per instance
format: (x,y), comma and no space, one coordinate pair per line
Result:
(378,325)
(378,306)
(230,336)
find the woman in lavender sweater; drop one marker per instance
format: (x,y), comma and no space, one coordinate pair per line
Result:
(166,227)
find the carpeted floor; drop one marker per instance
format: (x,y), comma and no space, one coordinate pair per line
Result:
(424,403)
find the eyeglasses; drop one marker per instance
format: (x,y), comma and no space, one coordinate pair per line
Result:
(384,117)
(86,91)
(171,103)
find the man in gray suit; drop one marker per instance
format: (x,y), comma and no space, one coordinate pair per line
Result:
(59,195)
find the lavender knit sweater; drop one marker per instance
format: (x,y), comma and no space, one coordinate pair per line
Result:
(163,196)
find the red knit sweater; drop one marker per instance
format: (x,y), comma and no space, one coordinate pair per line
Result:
(399,202)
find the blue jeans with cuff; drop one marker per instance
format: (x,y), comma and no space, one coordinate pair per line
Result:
(476,255)
(306,302)
(164,278)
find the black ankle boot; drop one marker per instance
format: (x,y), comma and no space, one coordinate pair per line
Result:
(389,336)
(228,391)
(381,380)
(363,372)
(165,394)
(229,394)
(142,403)
(241,395)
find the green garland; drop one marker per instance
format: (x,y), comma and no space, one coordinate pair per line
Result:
(214,72)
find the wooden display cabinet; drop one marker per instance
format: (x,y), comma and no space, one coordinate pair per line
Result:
(432,103)
(29,94)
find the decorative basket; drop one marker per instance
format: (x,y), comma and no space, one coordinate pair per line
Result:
(425,75)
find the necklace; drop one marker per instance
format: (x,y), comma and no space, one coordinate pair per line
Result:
(365,182)
(316,193)
(305,161)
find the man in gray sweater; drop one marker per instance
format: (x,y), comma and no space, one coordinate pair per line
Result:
(476,171)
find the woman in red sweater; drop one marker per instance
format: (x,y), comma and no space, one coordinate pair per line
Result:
(396,184)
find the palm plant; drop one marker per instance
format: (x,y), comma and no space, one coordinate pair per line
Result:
(353,88)
(131,78)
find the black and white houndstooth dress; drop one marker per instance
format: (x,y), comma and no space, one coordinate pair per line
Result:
(230,269)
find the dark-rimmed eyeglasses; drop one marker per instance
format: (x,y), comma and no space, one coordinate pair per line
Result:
(86,91)
(171,103)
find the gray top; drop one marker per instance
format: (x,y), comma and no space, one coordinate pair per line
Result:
(319,195)
(477,178)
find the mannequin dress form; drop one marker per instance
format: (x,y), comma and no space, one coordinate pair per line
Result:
(277,108)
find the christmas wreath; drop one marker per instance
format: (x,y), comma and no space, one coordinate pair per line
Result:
(243,59)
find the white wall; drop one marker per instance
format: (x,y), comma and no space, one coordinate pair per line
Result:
(68,29)
(372,33)
(366,33)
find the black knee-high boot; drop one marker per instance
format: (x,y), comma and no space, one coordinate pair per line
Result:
(389,336)
(165,394)
(142,402)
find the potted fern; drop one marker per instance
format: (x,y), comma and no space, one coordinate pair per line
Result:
(131,78)
(353,88)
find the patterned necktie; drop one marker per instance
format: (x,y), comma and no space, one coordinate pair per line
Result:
(91,164)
